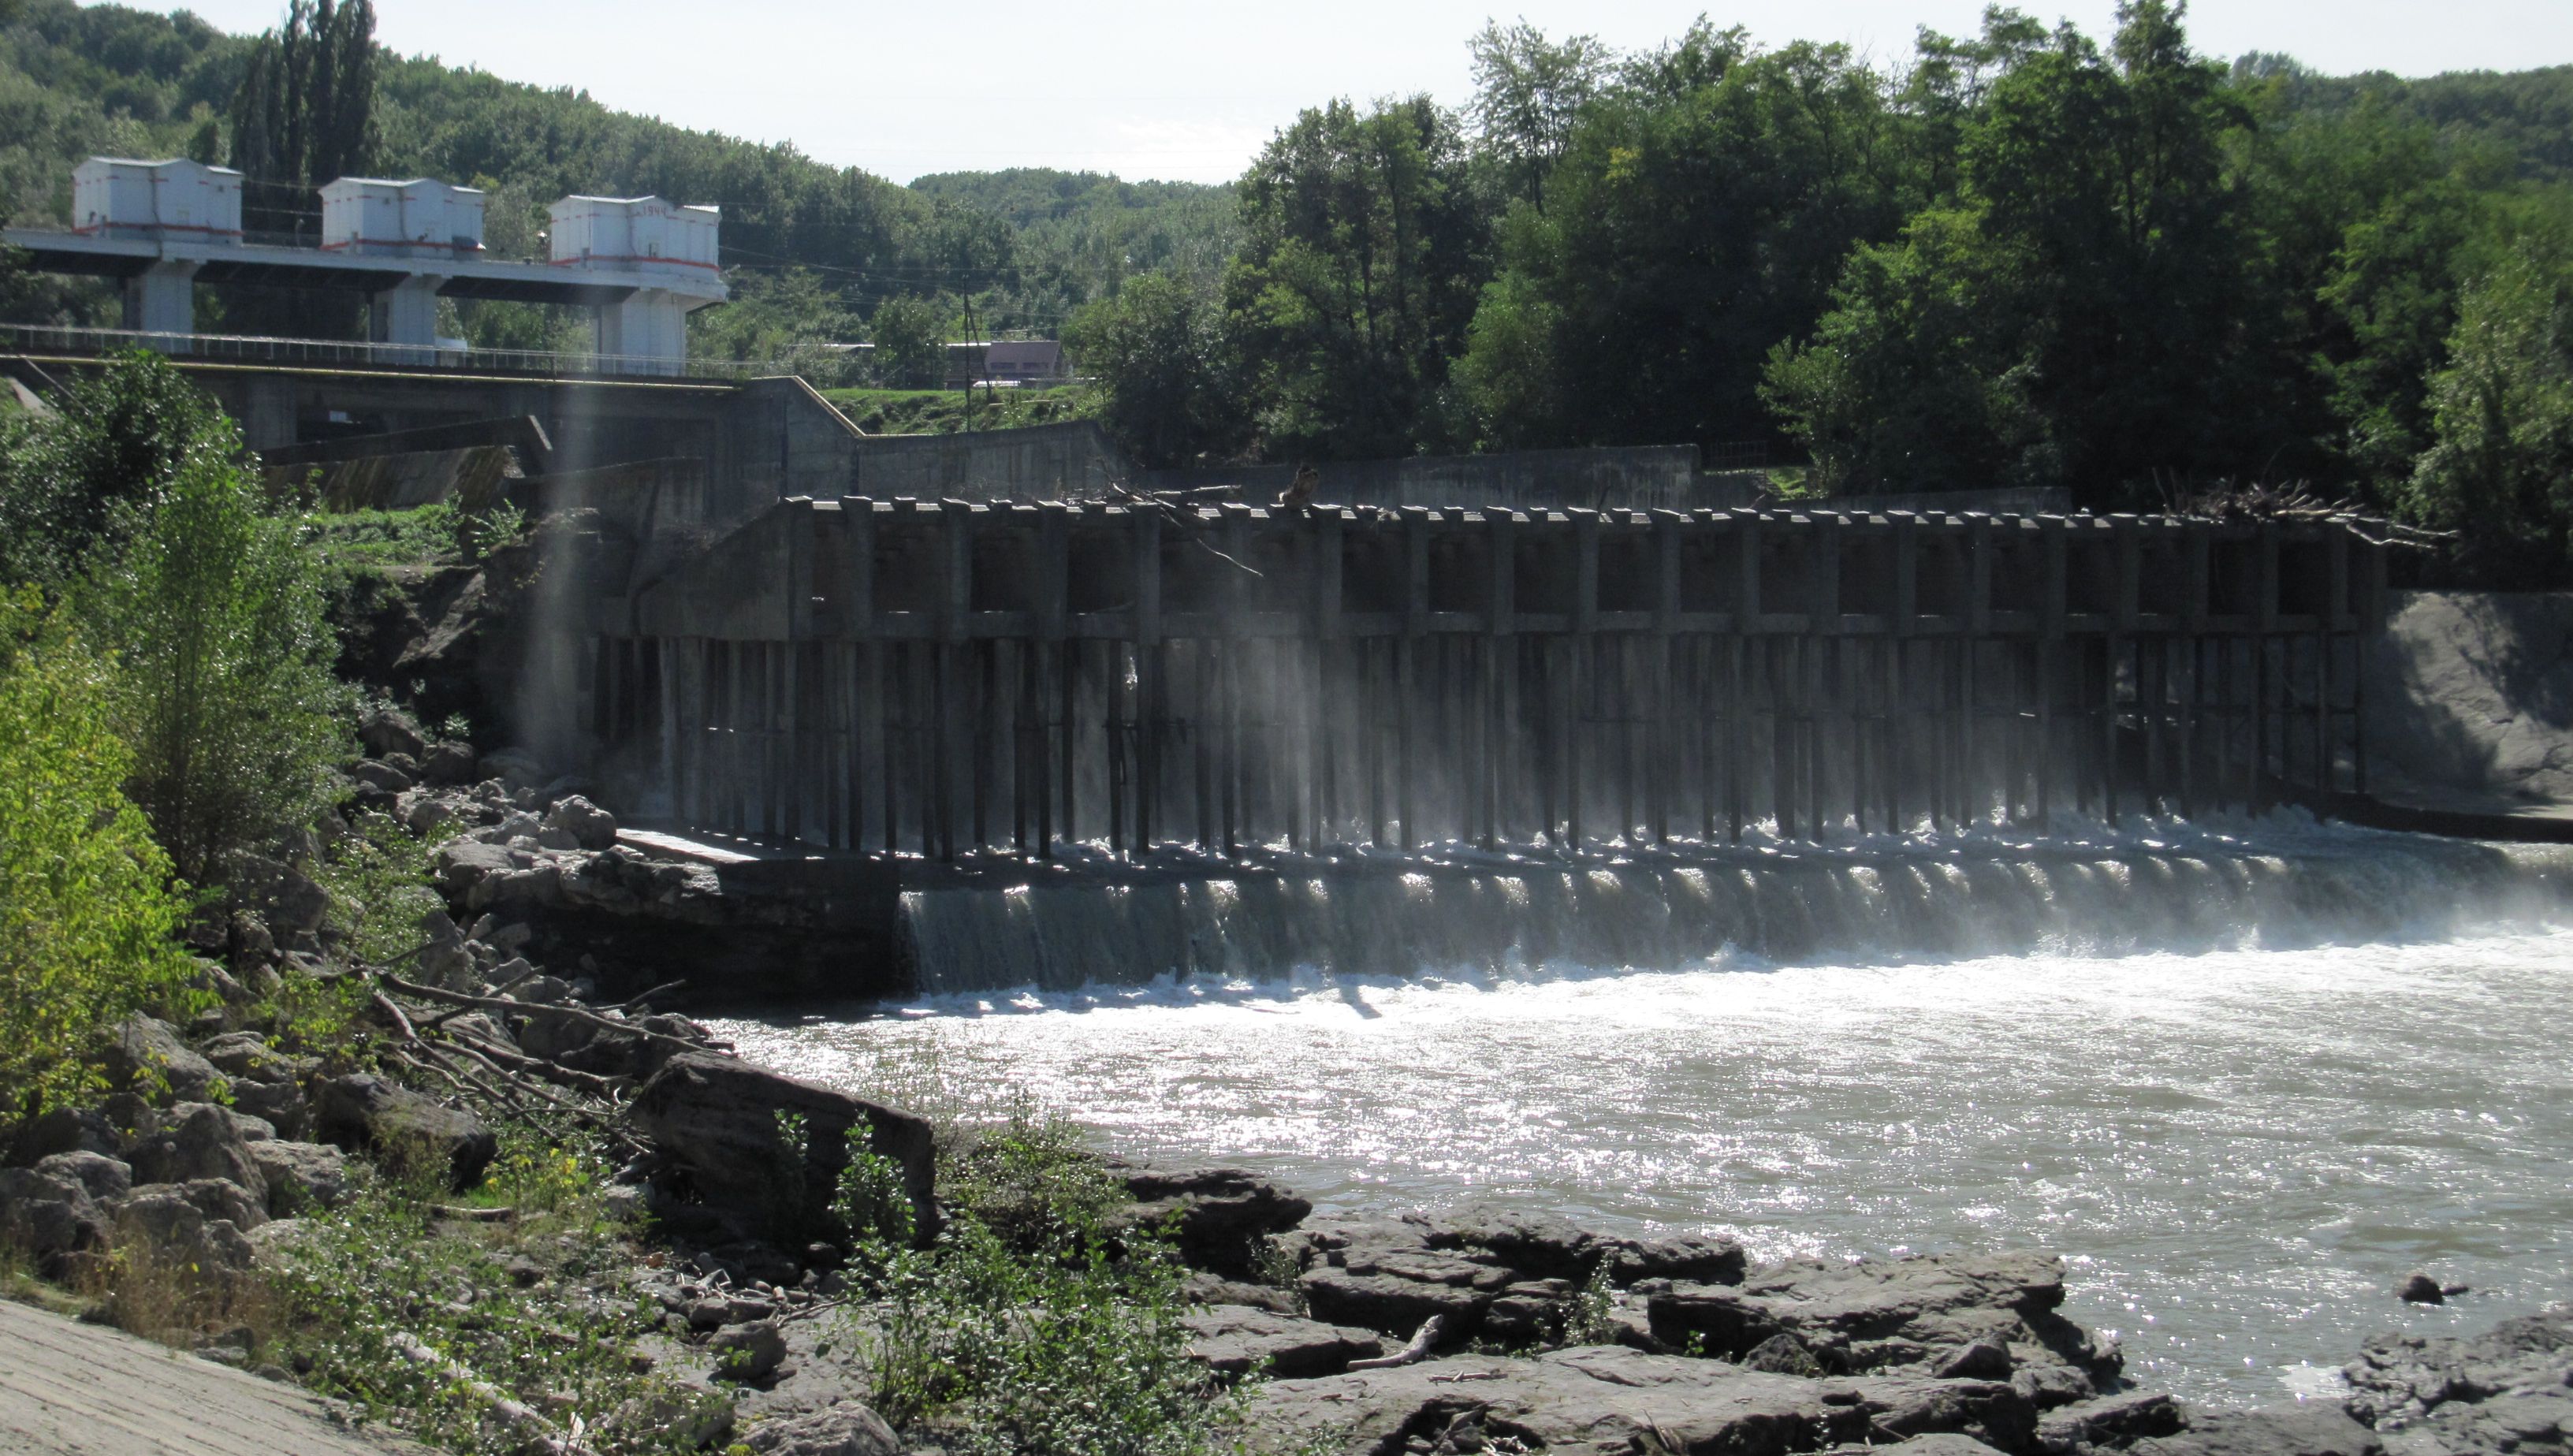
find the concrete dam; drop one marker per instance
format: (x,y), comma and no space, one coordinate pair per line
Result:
(947,710)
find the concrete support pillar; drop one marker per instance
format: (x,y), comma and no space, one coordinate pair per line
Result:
(648,334)
(406,315)
(163,299)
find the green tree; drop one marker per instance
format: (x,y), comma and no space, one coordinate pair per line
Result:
(1363,251)
(87,913)
(2500,471)
(909,335)
(1167,380)
(1528,92)
(216,611)
(306,110)
(73,481)
(1701,211)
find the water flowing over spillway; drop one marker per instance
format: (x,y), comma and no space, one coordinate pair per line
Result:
(1983,893)
(2243,1080)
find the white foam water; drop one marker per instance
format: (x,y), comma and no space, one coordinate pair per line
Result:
(2242,1086)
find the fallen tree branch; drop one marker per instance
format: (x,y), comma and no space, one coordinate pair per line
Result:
(1412,1354)
(462,999)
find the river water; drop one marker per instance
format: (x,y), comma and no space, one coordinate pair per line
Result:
(2349,1059)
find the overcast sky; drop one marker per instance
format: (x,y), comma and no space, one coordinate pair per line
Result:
(1190,90)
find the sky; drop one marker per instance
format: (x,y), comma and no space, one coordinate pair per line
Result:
(1189,90)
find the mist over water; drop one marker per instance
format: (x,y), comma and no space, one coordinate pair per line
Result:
(2242,1081)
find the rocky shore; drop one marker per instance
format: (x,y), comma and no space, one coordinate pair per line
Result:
(1481,1330)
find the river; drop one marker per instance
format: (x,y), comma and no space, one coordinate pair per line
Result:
(2239,1141)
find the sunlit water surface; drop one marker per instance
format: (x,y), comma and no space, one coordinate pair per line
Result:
(2237,1150)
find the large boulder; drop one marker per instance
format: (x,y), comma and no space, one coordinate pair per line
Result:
(1546,1247)
(1218,1215)
(388,731)
(301,1176)
(147,1057)
(718,1120)
(590,827)
(170,1224)
(48,1215)
(2508,1389)
(201,1140)
(1924,1314)
(105,1179)
(844,1429)
(1235,1340)
(362,1112)
(1603,1398)
(1382,1274)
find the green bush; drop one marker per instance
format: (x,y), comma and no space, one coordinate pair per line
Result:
(219,617)
(1036,1327)
(87,911)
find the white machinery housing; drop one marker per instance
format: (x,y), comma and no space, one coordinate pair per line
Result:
(372,217)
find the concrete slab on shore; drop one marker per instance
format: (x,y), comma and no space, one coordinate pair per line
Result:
(71,1389)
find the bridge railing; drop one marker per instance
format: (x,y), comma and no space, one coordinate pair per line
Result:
(360,354)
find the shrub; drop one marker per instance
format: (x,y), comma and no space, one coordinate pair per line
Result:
(87,912)
(73,481)
(226,693)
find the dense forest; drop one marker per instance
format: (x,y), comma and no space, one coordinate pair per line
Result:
(2023,256)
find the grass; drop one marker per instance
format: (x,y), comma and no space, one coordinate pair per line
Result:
(943,412)
(426,535)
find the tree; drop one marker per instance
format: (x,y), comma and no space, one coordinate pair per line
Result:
(2500,471)
(216,611)
(306,110)
(909,335)
(87,918)
(1363,251)
(1528,92)
(1167,380)
(74,481)
(1701,211)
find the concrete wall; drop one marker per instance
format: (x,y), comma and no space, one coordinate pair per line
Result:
(1041,463)
(2471,700)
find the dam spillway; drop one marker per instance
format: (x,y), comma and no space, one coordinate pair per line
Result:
(935,678)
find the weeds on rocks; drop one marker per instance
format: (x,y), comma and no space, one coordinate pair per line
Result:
(1034,1326)
(480,1336)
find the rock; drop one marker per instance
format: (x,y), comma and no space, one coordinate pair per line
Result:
(379,775)
(1236,1340)
(1391,1304)
(2111,1418)
(102,1177)
(170,1224)
(1979,1360)
(388,731)
(301,1176)
(1938,1443)
(540,990)
(362,1111)
(716,1117)
(247,1057)
(2418,1288)
(49,1216)
(1889,1314)
(2288,1430)
(280,1105)
(2492,1392)
(214,1197)
(749,1353)
(1221,1215)
(64,1129)
(146,1056)
(446,764)
(462,866)
(1784,1354)
(1607,1399)
(286,897)
(201,1140)
(1201,1287)
(844,1429)
(423,813)
(590,827)
(1553,1249)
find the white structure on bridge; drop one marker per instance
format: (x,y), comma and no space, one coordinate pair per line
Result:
(641,265)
